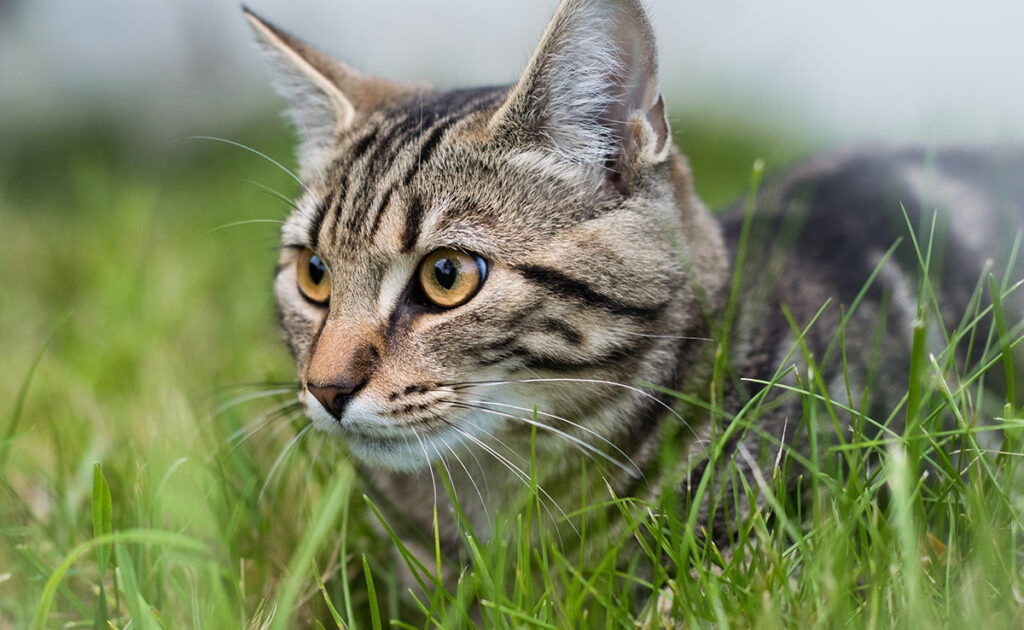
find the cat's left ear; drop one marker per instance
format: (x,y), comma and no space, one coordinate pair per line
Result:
(590,95)
(327,96)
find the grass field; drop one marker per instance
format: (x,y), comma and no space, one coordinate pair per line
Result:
(135,319)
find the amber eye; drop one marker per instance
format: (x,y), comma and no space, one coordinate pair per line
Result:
(449,277)
(314,281)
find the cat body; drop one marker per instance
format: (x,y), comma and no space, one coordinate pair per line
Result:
(489,280)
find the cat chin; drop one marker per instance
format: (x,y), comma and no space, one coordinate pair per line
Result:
(403,451)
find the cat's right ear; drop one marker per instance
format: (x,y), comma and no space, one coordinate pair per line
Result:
(590,96)
(327,96)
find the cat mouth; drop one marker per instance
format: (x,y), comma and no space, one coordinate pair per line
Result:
(404,448)
(390,438)
(407,430)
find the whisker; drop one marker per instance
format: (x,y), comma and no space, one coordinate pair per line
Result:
(638,334)
(258,384)
(636,468)
(280,459)
(250,397)
(520,474)
(259,153)
(512,452)
(242,435)
(583,446)
(451,449)
(592,381)
(479,495)
(246,222)
(430,468)
(273,193)
(451,480)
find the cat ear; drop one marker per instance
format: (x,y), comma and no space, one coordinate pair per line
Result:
(590,94)
(327,96)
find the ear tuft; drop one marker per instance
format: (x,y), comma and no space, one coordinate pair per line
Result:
(307,78)
(590,94)
(327,96)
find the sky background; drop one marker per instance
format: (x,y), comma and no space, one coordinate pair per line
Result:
(872,70)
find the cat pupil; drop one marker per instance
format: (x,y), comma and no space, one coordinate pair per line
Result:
(316,270)
(446,272)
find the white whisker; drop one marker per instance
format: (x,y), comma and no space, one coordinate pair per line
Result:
(638,334)
(592,381)
(243,434)
(525,478)
(273,193)
(247,222)
(636,469)
(248,397)
(483,504)
(584,447)
(280,459)
(248,148)
(430,467)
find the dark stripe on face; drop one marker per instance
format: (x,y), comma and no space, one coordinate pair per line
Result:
(426,150)
(570,334)
(502,344)
(428,147)
(344,164)
(412,121)
(413,217)
(463,103)
(619,356)
(559,283)
(355,199)
(502,357)
(376,165)
(379,212)
(318,216)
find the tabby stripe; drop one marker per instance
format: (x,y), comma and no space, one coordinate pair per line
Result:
(433,139)
(570,334)
(502,344)
(377,165)
(413,217)
(501,357)
(378,214)
(559,283)
(318,216)
(426,150)
(628,353)
(345,164)
(359,148)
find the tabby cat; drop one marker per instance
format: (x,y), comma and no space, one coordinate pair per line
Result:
(472,274)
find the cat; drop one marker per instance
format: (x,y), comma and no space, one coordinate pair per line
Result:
(469,276)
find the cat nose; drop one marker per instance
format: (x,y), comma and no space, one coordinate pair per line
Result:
(334,397)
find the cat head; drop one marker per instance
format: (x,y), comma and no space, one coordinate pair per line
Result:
(463,265)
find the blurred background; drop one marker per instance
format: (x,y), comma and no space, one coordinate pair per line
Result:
(135,260)
(913,69)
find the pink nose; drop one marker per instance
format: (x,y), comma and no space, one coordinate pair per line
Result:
(334,397)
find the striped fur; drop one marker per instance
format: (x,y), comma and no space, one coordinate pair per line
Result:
(604,271)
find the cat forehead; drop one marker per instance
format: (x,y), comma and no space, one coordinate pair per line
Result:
(424,172)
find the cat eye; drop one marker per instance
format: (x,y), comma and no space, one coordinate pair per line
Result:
(313,279)
(449,277)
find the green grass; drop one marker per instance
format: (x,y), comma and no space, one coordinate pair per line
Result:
(146,320)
